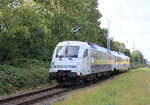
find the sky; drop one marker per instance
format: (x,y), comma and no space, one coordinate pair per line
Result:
(129,22)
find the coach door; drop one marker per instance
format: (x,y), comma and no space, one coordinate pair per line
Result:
(86,64)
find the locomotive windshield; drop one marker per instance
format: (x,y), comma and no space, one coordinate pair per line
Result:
(67,51)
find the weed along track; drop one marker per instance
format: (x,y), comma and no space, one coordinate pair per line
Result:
(41,94)
(34,96)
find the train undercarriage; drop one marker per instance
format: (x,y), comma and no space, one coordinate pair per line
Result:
(71,78)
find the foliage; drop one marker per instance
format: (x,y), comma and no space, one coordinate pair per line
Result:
(137,57)
(13,79)
(135,66)
(32,28)
(119,47)
(25,63)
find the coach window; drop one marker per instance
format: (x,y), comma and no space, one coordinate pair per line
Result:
(85,53)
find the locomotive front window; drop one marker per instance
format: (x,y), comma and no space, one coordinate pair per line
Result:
(67,51)
(60,51)
(72,51)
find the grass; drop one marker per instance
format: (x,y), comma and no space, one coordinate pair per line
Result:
(22,74)
(132,88)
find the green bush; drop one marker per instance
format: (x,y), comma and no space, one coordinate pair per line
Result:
(25,62)
(13,79)
(135,66)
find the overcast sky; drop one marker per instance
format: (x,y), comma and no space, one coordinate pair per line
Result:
(129,22)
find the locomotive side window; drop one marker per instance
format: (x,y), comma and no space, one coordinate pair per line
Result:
(85,53)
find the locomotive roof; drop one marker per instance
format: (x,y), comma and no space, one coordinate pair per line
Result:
(79,43)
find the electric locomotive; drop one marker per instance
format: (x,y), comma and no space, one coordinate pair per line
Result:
(76,61)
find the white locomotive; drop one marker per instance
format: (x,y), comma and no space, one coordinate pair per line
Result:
(75,60)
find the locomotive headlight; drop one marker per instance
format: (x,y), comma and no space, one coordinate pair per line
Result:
(52,65)
(78,74)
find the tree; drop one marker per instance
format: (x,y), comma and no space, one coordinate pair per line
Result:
(127,52)
(137,57)
(32,28)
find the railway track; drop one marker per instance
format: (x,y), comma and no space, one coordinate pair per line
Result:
(33,96)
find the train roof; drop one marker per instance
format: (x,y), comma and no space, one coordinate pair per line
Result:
(99,48)
(119,54)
